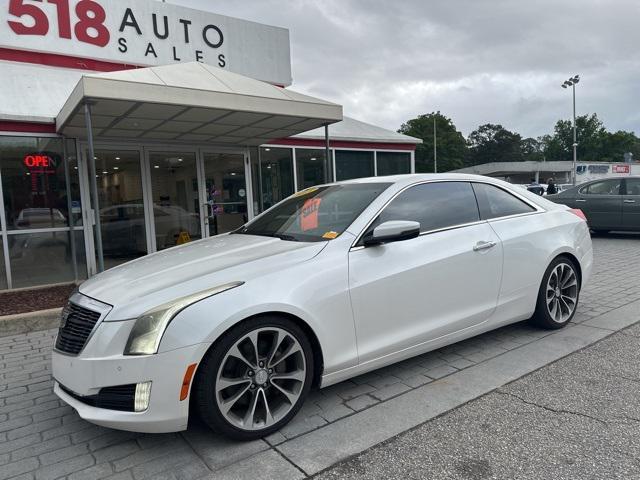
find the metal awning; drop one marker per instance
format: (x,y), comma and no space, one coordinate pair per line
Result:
(190,102)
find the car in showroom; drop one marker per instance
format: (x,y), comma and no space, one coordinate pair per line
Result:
(332,282)
(609,204)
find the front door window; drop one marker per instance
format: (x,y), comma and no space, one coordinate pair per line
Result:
(226,192)
(176,204)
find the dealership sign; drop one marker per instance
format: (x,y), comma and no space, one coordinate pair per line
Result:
(624,169)
(145,33)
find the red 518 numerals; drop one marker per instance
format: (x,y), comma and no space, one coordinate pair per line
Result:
(90,15)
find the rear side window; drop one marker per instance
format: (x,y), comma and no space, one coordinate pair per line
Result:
(633,186)
(433,205)
(605,187)
(495,202)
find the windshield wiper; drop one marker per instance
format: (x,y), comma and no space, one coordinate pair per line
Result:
(281,236)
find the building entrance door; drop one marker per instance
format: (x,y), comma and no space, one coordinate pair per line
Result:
(226,192)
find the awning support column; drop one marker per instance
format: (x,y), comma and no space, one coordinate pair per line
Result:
(94,187)
(328,173)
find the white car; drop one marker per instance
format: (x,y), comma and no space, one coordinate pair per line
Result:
(331,283)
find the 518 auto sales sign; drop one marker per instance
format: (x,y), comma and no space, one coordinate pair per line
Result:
(145,33)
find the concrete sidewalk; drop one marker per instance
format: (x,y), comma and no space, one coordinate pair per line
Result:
(576,418)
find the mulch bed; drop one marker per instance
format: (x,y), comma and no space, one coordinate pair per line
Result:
(23,301)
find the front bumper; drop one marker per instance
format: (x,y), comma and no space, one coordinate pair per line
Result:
(85,375)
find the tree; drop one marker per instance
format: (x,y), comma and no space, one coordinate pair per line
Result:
(494,143)
(532,149)
(450,142)
(591,137)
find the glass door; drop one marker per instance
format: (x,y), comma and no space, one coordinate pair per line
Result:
(225,192)
(123,224)
(175,198)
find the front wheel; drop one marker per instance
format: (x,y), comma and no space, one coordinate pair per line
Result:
(255,378)
(558,295)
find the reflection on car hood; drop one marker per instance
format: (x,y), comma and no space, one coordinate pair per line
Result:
(150,281)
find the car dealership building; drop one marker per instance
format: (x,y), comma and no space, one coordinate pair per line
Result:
(128,127)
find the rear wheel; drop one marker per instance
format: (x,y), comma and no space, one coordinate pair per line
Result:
(255,379)
(558,295)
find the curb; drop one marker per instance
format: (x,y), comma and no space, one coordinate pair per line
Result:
(29,322)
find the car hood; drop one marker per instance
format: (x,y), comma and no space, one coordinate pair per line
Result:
(135,287)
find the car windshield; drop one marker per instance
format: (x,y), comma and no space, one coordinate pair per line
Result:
(315,214)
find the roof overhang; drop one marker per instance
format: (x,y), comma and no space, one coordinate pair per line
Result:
(191,103)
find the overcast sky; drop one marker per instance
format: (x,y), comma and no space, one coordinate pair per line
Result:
(477,61)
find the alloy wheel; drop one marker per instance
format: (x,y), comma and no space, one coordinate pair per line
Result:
(562,292)
(260,378)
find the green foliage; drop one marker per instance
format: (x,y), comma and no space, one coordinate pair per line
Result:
(451,143)
(494,143)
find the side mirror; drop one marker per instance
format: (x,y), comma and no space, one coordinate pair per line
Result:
(393,231)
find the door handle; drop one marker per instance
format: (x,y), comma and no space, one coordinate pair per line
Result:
(483,246)
(580,200)
(629,201)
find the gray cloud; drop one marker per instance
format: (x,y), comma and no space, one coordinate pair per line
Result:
(498,61)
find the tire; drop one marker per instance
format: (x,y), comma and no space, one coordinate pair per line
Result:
(554,309)
(251,384)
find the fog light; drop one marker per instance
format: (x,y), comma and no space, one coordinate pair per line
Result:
(143,394)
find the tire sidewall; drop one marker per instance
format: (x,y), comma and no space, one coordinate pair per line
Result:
(206,378)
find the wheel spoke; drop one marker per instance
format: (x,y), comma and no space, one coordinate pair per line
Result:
(236,353)
(298,375)
(291,349)
(253,338)
(224,383)
(251,411)
(268,416)
(277,341)
(228,404)
(291,397)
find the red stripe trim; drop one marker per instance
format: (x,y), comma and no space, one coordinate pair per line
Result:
(301,142)
(64,61)
(25,127)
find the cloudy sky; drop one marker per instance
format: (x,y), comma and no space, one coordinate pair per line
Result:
(477,61)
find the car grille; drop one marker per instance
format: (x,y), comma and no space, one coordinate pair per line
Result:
(121,398)
(74,332)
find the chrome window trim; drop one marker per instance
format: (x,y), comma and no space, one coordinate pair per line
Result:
(91,304)
(538,209)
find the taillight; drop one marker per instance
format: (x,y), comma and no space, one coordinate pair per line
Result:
(579,213)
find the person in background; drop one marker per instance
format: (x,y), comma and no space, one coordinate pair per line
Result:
(551,187)
(535,187)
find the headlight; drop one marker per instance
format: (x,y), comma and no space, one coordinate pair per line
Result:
(147,332)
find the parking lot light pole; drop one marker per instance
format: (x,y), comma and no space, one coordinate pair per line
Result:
(572,82)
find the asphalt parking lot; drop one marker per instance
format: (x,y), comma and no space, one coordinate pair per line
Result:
(42,438)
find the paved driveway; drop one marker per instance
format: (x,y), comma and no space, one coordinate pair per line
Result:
(40,437)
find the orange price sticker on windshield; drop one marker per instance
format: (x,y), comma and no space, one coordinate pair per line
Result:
(309,218)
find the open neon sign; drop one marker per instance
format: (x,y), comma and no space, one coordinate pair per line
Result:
(38,161)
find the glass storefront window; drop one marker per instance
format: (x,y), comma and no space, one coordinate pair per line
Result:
(354,164)
(393,163)
(3,270)
(226,192)
(176,205)
(122,218)
(277,175)
(43,258)
(33,182)
(310,165)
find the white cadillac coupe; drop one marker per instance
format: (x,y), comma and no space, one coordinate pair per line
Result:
(333,282)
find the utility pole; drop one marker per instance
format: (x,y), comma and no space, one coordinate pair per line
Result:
(435,146)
